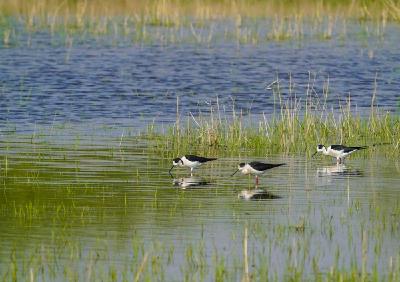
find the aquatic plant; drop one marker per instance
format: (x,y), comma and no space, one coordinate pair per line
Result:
(201,22)
(300,122)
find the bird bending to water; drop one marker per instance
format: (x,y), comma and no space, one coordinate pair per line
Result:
(255,168)
(340,152)
(191,161)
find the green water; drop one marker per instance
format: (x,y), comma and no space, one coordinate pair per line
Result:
(103,208)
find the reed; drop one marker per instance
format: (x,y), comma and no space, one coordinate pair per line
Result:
(66,258)
(169,11)
(198,21)
(299,123)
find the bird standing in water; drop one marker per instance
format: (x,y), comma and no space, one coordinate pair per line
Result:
(340,152)
(191,161)
(255,168)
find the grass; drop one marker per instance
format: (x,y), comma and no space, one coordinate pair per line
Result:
(200,22)
(299,123)
(139,258)
(169,12)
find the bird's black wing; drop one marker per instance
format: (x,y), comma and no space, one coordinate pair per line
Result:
(338,147)
(346,149)
(263,166)
(194,158)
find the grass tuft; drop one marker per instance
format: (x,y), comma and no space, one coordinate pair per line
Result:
(297,126)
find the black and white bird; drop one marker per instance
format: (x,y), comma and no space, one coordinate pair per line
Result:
(338,151)
(255,168)
(191,161)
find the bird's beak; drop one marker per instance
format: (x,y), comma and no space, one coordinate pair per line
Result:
(170,171)
(234,173)
(314,154)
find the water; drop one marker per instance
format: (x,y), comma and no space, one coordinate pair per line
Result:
(134,84)
(83,198)
(106,196)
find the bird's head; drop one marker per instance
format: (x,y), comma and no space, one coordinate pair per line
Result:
(177,162)
(241,166)
(320,149)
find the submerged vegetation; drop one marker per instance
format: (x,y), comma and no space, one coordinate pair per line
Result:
(93,209)
(175,21)
(100,210)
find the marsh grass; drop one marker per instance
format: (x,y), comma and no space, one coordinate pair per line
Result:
(170,11)
(298,124)
(143,259)
(200,22)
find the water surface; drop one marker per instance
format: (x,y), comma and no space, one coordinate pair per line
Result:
(132,84)
(105,199)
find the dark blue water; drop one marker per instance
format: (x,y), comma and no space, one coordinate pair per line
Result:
(133,84)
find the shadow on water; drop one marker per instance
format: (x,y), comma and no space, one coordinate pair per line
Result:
(338,170)
(190,182)
(257,194)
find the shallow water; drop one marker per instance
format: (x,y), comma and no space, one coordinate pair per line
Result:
(82,197)
(131,84)
(107,198)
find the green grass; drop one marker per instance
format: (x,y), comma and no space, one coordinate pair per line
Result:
(297,125)
(138,258)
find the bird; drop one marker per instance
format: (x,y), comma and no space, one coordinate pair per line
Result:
(255,168)
(338,151)
(191,161)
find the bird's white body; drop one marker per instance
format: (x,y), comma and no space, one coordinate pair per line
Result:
(191,161)
(255,168)
(247,169)
(188,163)
(335,153)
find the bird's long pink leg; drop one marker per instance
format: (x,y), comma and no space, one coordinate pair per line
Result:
(256,180)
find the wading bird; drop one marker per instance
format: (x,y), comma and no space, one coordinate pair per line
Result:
(255,168)
(191,161)
(338,151)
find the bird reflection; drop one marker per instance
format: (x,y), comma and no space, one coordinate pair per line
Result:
(190,182)
(257,194)
(338,170)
